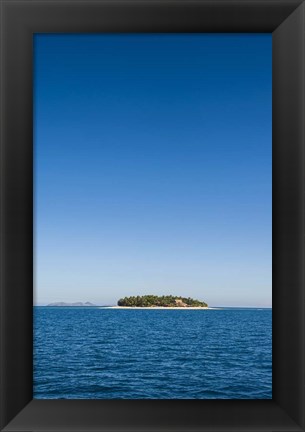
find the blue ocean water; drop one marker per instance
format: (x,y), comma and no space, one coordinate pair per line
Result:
(92,353)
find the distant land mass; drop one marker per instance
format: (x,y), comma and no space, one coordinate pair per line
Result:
(71,304)
(160,301)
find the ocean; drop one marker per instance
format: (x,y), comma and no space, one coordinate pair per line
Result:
(103,353)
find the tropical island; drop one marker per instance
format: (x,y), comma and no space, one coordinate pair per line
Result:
(161,301)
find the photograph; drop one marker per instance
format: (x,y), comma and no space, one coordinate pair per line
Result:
(152,184)
(152,217)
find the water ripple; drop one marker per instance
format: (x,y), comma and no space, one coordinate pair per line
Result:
(127,354)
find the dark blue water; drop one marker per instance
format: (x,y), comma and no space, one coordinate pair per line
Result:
(91,353)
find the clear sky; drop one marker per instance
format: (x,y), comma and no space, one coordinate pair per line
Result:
(153,167)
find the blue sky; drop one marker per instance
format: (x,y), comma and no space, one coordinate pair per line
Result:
(153,167)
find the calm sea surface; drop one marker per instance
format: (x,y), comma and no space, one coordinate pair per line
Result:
(91,353)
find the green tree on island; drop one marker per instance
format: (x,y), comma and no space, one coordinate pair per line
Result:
(164,301)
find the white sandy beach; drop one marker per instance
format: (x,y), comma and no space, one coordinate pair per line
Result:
(160,307)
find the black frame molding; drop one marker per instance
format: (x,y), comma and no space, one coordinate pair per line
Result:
(285,19)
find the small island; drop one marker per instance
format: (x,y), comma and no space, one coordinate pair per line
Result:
(161,301)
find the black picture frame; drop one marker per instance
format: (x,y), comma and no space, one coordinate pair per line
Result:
(19,20)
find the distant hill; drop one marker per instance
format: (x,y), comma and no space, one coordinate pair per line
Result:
(163,301)
(71,304)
